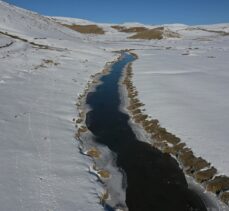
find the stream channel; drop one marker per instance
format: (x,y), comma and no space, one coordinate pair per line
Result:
(155,181)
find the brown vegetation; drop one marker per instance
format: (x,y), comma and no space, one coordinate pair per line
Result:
(86,29)
(205,175)
(118,28)
(134,29)
(78,121)
(82,129)
(156,34)
(149,34)
(94,152)
(218,184)
(104,173)
(130,29)
(104,197)
(225,197)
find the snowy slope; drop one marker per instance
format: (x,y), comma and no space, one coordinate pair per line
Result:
(71,21)
(5,41)
(41,167)
(19,21)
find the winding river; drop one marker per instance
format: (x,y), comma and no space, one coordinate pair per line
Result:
(155,181)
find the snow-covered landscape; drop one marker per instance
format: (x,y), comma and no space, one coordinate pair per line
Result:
(44,67)
(189,93)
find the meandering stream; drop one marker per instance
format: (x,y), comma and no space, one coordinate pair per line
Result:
(154,180)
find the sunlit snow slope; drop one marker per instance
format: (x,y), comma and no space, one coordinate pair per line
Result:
(41,167)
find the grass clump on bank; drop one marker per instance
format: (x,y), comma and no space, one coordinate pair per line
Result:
(104,174)
(93,152)
(225,197)
(86,29)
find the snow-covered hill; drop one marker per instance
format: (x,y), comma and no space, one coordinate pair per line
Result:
(20,21)
(41,167)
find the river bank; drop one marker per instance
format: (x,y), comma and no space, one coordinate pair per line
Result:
(196,167)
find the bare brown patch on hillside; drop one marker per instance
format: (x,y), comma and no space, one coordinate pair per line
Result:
(130,29)
(155,34)
(86,29)
(149,34)
(118,28)
(134,29)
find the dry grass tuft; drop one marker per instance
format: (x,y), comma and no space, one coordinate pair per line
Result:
(206,175)
(94,152)
(225,197)
(104,173)
(218,183)
(82,129)
(86,29)
(104,197)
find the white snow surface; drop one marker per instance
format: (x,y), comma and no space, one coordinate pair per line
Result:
(183,82)
(189,94)
(71,21)
(41,167)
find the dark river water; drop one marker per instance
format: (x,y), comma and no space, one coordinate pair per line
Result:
(154,180)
